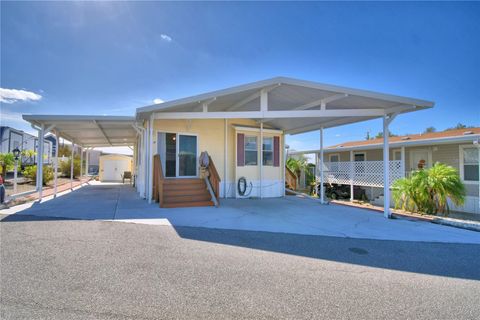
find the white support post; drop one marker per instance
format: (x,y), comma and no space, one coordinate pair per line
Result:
(55,170)
(261,160)
(87,158)
(40,162)
(322,191)
(225,165)
(352,172)
(145,162)
(284,163)
(317,168)
(81,162)
(150,159)
(402,155)
(386,171)
(71,166)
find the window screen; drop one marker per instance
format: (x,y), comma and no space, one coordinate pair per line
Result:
(251,152)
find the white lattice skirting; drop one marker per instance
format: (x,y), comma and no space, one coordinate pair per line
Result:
(361,173)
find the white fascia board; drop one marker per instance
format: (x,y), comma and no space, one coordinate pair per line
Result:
(414,143)
(289,81)
(209,95)
(272,114)
(357,92)
(252,129)
(43,118)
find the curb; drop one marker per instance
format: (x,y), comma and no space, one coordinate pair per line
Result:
(456,223)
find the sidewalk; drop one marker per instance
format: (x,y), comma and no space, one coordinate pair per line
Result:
(47,191)
(452,221)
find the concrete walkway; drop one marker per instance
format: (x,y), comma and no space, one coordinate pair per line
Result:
(293,215)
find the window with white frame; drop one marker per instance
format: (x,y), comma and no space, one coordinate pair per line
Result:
(397,155)
(469,163)
(251,151)
(268,151)
(335,157)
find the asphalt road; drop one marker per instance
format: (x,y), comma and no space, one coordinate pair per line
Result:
(70,269)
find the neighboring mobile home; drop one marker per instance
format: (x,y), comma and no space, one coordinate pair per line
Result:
(242,128)
(458,148)
(11,138)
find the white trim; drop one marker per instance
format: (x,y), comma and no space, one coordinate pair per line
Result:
(288,81)
(425,142)
(225,164)
(177,144)
(261,158)
(461,164)
(263,150)
(245,151)
(386,166)
(395,151)
(272,114)
(252,129)
(414,166)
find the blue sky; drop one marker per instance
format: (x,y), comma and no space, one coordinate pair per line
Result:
(110,58)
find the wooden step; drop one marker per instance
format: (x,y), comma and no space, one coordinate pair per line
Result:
(184,187)
(187,198)
(188,204)
(183,181)
(168,192)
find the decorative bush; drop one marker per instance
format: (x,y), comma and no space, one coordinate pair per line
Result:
(427,191)
(31,173)
(7,161)
(65,167)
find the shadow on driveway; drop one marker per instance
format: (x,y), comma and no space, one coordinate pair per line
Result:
(439,259)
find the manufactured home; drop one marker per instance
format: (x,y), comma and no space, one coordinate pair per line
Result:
(241,128)
(11,138)
(359,163)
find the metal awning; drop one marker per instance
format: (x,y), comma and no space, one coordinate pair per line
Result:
(292,105)
(89,131)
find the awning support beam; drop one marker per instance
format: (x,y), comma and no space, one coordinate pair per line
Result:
(103,132)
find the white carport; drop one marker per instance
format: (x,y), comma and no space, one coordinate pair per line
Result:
(291,105)
(86,132)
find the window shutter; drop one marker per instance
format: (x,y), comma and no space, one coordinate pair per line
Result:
(276,151)
(240,150)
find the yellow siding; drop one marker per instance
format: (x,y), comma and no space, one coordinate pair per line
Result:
(211,138)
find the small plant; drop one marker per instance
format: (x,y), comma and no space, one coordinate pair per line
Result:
(65,167)
(7,161)
(427,191)
(30,172)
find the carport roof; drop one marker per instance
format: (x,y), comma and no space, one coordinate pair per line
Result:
(292,105)
(89,131)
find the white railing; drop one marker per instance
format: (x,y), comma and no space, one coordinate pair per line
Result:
(361,173)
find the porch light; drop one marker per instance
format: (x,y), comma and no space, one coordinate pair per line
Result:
(16,153)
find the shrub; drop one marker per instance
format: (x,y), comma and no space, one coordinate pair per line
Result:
(31,173)
(427,191)
(65,167)
(7,161)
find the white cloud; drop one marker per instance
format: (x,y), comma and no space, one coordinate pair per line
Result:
(166,37)
(14,95)
(157,101)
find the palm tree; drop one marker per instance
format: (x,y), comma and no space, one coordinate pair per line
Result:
(427,191)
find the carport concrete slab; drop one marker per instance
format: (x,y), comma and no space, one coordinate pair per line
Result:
(295,215)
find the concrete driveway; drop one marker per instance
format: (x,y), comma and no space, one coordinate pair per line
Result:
(286,215)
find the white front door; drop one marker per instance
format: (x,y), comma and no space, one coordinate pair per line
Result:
(420,159)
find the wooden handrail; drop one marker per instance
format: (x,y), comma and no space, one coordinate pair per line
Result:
(213,177)
(290,178)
